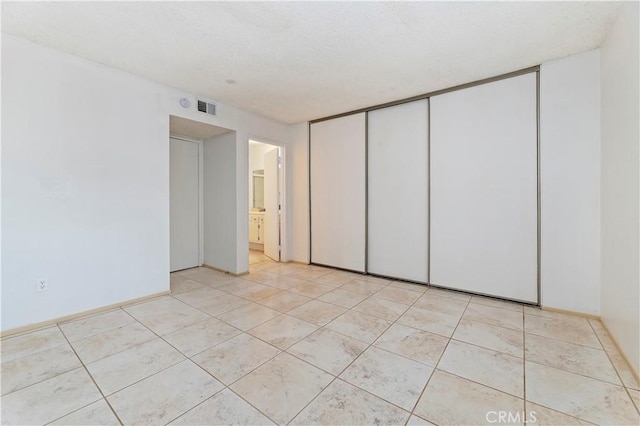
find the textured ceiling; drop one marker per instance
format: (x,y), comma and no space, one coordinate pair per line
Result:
(295,61)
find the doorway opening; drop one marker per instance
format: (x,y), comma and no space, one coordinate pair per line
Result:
(192,171)
(265,202)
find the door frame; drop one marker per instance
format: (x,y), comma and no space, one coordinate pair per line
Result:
(284,255)
(200,144)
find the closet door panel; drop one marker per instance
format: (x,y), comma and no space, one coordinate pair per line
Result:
(484,189)
(398,191)
(337,151)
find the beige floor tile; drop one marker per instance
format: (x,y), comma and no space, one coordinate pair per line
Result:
(450,294)
(165,396)
(490,368)
(579,333)
(394,378)
(184,284)
(412,343)
(191,272)
(310,289)
(635,396)
(420,288)
(484,357)
(363,327)
(317,312)
(349,275)
(248,316)
(579,396)
(344,298)
(223,304)
(540,312)
(224,408)
(236,357)
(333,279)
(494,316)
(489,336)
(97,413)
(257,256)
(261,276)
(89,326)
(446,305)
(328,350)
(603,335)
(418,421)
(343,404)
(203,335)
(260,266)
(285,268)
(124,368)
(496,303)
(571,357)
(175,278)
(283,331)
(472,402)
(399,295)
(362,286)
(216,279)
(166,314)
(49,400)
(199,297)
(282,387)
(431,321)
(111,342)
(284,282)
(256,292)
(623,369)
(43,365)
(308,274)
(374,279)
(15,347)
(543,416)
(235,284)
(284,301)
(382,308)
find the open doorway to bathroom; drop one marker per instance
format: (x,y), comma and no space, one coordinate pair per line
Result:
(265,202)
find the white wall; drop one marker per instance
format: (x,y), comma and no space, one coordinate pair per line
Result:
(85,185)
(570,182)
(85,182)
(621,183)
(220,196)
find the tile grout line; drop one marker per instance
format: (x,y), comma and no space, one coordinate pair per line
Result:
(435,368)
(92,379)
(369,296)
(164,369)
(624,386)
(388,284)
(337,377)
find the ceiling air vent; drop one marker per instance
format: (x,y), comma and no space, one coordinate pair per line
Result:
(206,107)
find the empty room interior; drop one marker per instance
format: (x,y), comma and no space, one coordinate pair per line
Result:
(331,213)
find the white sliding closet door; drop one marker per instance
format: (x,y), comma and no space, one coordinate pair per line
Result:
(484,189)
(398,209)
(337,167)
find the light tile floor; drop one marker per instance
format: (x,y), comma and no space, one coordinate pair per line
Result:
(297,344)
